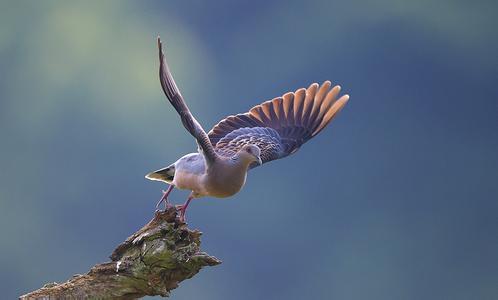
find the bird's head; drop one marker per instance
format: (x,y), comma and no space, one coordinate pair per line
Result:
(249,154)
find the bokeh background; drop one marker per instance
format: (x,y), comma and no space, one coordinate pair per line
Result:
(397,199)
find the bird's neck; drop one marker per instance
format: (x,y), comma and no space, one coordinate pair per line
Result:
(240,162)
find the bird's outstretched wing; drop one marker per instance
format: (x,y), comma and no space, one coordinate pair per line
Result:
(175,98)
(279,126)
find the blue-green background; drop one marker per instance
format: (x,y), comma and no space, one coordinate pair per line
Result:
(397,199)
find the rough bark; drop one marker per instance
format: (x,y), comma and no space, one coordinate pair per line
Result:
(151,262)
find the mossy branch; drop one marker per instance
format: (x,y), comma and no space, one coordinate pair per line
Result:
(151,262)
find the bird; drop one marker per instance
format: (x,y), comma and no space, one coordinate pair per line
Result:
(271,130)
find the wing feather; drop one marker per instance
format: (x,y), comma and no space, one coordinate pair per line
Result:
(320,95)
(332,112)
(309,101)
(298,105)
(326,105)
(288,103)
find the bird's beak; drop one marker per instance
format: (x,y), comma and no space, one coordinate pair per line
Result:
(259,161)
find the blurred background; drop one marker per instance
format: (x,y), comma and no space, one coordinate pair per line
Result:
(397,199)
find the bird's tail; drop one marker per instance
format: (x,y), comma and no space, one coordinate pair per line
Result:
(165,175)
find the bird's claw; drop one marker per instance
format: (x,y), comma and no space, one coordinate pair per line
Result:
(164,199)
(183,209)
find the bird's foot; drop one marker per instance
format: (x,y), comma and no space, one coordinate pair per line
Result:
(183,210)
(164,199)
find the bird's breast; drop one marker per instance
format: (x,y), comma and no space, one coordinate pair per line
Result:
(224,181)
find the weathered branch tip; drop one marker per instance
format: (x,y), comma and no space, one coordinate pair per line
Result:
(151,262)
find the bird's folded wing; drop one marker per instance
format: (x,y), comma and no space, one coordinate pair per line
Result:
(280,126)
(175,98)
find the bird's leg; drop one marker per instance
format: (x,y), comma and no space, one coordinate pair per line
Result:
(183,208)
(164,198)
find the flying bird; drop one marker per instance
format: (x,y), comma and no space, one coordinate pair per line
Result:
(238,143)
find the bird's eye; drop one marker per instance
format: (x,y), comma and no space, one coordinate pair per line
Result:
(249,150)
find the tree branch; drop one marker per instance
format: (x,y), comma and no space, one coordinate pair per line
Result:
(152,261)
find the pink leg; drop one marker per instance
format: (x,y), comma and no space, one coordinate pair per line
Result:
(183,208)
(164,198)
